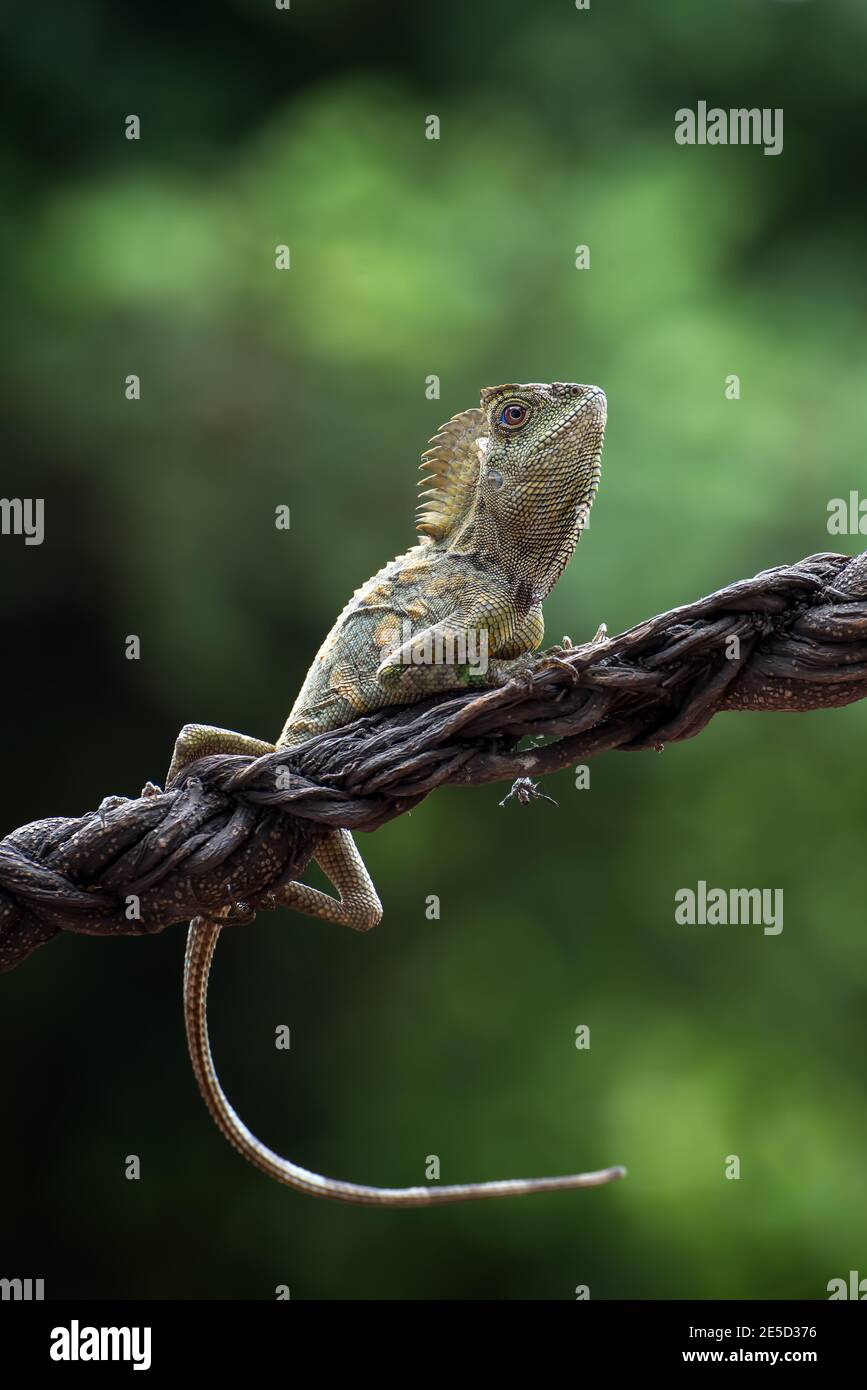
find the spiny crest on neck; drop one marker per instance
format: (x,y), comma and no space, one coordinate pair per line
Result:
(451,468)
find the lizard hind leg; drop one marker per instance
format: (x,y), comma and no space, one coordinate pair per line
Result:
(199,740)
(358,905)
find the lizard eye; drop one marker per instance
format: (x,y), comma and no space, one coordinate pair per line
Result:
(513,415)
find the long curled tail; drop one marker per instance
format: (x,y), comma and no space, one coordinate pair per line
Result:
(201,941)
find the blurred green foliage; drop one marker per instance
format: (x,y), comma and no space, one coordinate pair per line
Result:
(456,258)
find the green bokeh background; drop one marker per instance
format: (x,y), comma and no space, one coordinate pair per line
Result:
(413,257)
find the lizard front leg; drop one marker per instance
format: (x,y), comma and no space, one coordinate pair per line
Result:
(487,647)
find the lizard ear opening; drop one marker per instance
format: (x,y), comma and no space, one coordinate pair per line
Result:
(451,468)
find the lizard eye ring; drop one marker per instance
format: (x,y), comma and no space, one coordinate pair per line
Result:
(513,415)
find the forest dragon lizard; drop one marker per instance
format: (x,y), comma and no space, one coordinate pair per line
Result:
(508,489)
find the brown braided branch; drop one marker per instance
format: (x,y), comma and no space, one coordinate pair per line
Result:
(239,827)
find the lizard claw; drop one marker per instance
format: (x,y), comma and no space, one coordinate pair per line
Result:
(521,680)
(240,912)
(555,660)
(109,803)
(558,657)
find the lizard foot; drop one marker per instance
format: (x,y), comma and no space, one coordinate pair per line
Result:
(567,646)
(520,680)
(555,659)
(240,913)
(235,914)
(109,803)
(558,657)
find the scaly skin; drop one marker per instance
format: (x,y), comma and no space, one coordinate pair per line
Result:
(484,567)
(512,484)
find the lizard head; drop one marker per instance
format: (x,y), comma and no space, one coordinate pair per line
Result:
(540,460)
